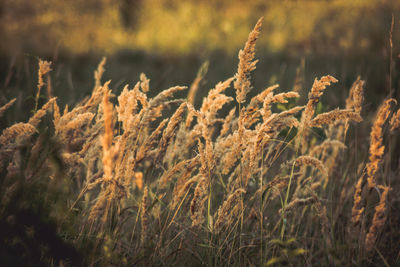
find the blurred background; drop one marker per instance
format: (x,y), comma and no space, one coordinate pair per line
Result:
(169,40)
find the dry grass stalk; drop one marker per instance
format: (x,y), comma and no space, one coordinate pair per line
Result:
(174,170)
(142,97)
(80,121)
(127,142)
(321,211)
(276,122)
(279,98)
(376,152)
(11,137)
(278,187)
(314,186)
(186,174)
(228,122)
(189,119)
(260,98)
(197,204)
(313,98)
(333,116)
(49,87)
(32,168)
(17,133)
(395,121)
(73,133)
(6,106)
(94,101)
(328,151)
(127,106)
(358,208)
(232,155)
(179,150)
(298,202)
(355,99)
(204,167)
(145,149)
(144,83)
(158,103)
(302,185)
(356,96)
(376,149)
(278,184)
(289,112)
(207,117)
(99,73)
(170,131)
(246,64)
(44,68)
(164,95)
(107,138)
(311,161)
(209,150)
(248,167)
(251,116)
(144,216)
(326,144)
(299,80)
(378,220)
(110,185)
(183,185)
(92,105)
(209,108)
(36,118)
(260,140)
(7,197)
(56,113)
(215,101)
(194,87)
(224,213)
(192,113)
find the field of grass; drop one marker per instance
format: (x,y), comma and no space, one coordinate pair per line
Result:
(244,174)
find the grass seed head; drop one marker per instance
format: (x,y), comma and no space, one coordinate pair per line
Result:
(246,64)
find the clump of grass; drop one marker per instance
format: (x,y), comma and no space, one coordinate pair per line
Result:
(201,185)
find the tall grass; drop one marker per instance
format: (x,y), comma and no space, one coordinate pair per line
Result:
(266,183)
